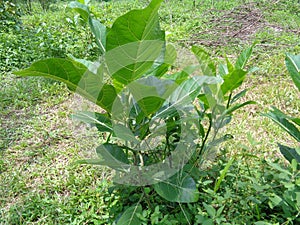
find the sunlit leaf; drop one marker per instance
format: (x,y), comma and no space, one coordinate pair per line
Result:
(293,65)
(243,58)
(233,80)
(282,120)
(77,77)
(139,42)
(206,63)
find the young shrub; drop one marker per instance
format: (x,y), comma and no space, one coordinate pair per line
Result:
(161,126)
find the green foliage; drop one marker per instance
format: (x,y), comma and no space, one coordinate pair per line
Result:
(288,123)
(9,16)
(238,189)
(139,48)
(293,66)
(179,188)
(42,37)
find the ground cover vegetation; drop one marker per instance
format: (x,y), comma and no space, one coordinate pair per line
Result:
(246,182)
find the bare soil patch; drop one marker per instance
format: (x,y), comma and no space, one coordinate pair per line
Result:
(240,24)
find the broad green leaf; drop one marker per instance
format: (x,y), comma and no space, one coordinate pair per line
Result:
(113,156)
(186,93)
(101,121)
(163,62)
(243,58)
(92,66)
(64,70)
(206,63)
(150,92)
(150,105)
(233,80)
(178,77)
(229,66)
(181,76)
(124,133)
(136,25)
(274,200)
(77,77)
(99,31)
(293,65)
(208,221)
(80,8)
(131,61)
(129,216)
(178,188)
(106,97)
(290,153)
(278,117)
(139,42)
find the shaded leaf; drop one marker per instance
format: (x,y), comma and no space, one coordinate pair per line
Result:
(181,76)
(99,31)
(238,96)
(150,92)
(113,156)
(80,8)
(289,153)
(163,62)
(178,188)
(124,133)
(129,216)
(186,93)
(101,121)
(210,210)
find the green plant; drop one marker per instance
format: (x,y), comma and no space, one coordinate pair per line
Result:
(288,123)
(160,125)
(9,16)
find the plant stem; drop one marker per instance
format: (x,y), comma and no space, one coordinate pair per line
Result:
(206,136)
(147,198)
(229,99)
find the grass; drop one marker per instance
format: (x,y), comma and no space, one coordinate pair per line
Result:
(40,184)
